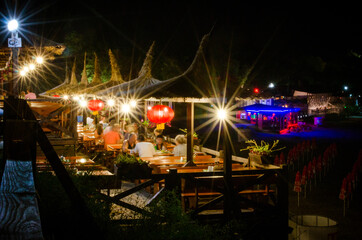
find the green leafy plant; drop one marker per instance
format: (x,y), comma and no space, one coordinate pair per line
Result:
(263,149)
(185,131)
(131,167)
(123,159)
(146,123)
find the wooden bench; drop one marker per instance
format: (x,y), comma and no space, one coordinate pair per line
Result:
(206,187)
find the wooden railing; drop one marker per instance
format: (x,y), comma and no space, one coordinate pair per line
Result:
(215,153)
(172,181)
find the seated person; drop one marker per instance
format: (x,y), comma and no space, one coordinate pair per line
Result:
(131,128)
(157,132)
(103,122)
(159,143)
(90,122)
(130,143)
(113,136)
(30,95)
(180,149)
(143,148)
(98,133)
(109,127)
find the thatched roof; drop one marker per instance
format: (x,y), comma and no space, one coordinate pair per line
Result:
(145,86)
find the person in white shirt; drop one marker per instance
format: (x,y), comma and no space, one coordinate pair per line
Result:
(143,148)
(180,149)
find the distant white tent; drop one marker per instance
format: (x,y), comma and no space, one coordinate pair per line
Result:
(300,94)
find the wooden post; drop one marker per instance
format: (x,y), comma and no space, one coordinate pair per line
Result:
(145,116)
(73,121)
(229,190)
(190,134)
(84,117)
(13,86)
(173,182)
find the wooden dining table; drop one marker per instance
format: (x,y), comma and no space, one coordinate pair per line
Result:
(81,160)
(235,167)
(161,153)
(114,147)
(88,136)
(177,161)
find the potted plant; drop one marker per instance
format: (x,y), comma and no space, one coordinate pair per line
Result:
(261,154)
(130,167)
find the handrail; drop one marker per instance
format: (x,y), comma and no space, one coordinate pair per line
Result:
(216,153)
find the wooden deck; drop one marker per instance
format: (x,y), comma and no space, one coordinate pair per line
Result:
(19,213)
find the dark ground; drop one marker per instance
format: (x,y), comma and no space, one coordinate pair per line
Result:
(323,199)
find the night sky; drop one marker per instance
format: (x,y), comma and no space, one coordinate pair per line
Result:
(313,47)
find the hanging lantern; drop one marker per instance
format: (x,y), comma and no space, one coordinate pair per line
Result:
(95,105)
(56,95)
(160,114)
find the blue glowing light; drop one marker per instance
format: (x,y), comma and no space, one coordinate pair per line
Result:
(261,108)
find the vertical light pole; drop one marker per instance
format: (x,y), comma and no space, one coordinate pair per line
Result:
(14,43)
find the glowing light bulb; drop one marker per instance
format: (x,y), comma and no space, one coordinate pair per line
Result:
(76,98)
(126,108)
(111,102)
(271,85)
(133,103)
(83,103)
(66,97)
(31,66)
(82,160)
(13,25)
(149,107)
(22,73)
(221,114)
(26,69)
(39,60)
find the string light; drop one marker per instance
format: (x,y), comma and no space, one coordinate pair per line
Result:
(126,108)
(221,114)
(39,59)
(111,102)
(22,73)
(31,66)
(83,103)
(133,103)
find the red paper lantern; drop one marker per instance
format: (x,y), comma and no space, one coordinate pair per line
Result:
(160,114)
(95,105)
(56,95)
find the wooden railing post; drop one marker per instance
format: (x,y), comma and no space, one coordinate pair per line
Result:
(190,134)
(173,182)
